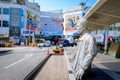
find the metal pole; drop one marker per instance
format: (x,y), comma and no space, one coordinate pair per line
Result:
(29,36)
(106,41)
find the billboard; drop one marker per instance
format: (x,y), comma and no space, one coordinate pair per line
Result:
(51,26)
(4,33)
(33,22)
(70,21)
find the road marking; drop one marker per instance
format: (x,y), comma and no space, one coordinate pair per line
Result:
(25,57)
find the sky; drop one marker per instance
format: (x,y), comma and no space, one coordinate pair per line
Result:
(52,5)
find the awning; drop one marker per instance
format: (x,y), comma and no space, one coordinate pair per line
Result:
(103,14)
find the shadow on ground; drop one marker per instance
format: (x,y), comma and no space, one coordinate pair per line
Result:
(2,53)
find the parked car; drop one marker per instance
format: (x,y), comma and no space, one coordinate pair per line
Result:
(47,44)
(65,43)
(44,44)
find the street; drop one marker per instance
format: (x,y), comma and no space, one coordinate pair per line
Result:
(19,62)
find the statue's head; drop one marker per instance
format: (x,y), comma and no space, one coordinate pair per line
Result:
(81,25)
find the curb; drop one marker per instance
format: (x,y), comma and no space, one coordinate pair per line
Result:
(33,73)
(69,68)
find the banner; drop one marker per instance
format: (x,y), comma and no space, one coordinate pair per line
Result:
(70,21)
(51,26)
(33,22)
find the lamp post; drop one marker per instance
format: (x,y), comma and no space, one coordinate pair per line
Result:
(29,36)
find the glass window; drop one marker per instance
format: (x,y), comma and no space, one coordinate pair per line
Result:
(118,28)
(5,11)
(5,24)
(0,10)
(0,23)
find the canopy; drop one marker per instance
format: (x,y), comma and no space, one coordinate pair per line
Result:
(103,14)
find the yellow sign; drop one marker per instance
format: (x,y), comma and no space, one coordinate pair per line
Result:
(5,35)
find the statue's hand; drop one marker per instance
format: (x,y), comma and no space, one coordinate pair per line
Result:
(79,74)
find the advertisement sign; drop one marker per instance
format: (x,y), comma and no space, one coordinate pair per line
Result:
(70,21)
(21,1)
(4,33)
(99,38)
(33,21)
(51,26)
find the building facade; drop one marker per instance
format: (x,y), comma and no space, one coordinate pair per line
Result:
(18,19)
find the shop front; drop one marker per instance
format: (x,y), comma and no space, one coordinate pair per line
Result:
(3,39)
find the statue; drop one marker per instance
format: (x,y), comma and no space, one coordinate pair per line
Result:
(86,50)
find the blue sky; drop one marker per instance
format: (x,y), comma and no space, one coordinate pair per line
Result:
(51,5)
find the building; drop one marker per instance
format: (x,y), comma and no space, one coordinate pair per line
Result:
(19,19)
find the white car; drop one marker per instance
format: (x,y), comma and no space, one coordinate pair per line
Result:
(47,44)
(44,44)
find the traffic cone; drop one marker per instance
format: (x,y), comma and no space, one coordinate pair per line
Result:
(48,52)
(60,51)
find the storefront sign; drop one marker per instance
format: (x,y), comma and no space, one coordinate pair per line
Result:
(3,35)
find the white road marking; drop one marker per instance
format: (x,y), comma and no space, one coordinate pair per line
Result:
(25,57)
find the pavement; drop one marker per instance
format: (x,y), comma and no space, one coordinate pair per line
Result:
(104,67)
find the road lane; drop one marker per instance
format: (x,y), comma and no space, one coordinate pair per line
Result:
(26,57)
(16,64)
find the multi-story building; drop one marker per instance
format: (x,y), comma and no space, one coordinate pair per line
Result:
(18,18)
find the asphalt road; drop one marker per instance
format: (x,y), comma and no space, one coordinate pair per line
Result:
(16,64)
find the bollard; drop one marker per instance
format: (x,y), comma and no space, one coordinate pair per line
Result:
(60,51)
(48,52)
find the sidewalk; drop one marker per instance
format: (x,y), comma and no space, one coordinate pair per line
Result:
(54,69)
(104,67)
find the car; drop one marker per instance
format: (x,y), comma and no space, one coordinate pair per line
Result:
(65,43)
(41,44)
(47,44)
(44,44)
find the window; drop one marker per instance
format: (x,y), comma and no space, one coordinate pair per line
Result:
(0,23)
(14,31)
(5,11)
(5,24)
(0,10)
(118,28)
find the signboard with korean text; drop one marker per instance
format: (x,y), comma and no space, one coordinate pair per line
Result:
(51,26)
